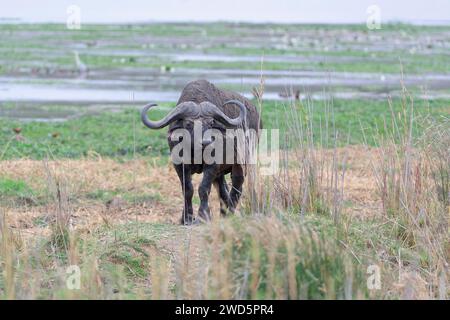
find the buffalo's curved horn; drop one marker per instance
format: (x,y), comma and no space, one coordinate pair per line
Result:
(180,111)
(212,110)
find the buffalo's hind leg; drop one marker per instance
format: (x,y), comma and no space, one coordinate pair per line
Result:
(222,188)
(185,176)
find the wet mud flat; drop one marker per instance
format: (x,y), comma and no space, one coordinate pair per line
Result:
(107,67)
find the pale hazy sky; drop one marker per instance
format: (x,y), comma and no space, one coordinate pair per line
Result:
(302,11)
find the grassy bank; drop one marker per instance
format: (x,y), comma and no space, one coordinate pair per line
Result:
(121,134)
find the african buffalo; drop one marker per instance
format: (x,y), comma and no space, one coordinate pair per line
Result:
(203,105)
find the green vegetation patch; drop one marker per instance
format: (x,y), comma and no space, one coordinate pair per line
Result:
(14,188)
(122,135)
(17,192)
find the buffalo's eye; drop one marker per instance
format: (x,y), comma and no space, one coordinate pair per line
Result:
(188,125)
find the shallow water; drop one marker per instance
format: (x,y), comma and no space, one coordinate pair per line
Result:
(132,87)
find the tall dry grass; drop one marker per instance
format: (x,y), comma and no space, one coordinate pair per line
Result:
(412,173)
(310,175)
(271,257)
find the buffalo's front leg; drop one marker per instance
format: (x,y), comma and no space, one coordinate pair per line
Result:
(237,179)
(185,175)
(224,195)
(204,190)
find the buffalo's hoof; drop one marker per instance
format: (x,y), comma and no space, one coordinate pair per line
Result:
(189,221)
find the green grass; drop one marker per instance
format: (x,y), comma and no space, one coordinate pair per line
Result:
(14,188)
(349,118)
(19,193)
(122,135)
(109,134)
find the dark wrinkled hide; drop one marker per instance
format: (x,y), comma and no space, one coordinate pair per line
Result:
(201,91)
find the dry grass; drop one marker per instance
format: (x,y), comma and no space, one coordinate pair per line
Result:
(82,178)
(412,175)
